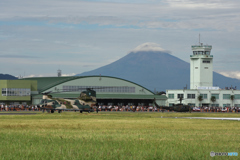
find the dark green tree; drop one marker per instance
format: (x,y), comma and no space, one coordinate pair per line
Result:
(213,99)
(200,98)
(232,99)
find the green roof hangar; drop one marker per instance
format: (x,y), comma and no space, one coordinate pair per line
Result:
(109,90)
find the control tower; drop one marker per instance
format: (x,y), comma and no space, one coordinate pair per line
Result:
(201,67)
(59,73)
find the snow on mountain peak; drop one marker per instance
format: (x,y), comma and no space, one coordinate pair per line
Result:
(149,46)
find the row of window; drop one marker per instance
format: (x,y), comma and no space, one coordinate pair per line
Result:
(201,53)
(204,96)
(206,61)
(113,89)
(204,67)
(191,96)
(16,92)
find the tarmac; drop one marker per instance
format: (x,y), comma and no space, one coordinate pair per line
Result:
(208,118)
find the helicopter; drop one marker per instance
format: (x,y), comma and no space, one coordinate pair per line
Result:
(84,103)
(177,108)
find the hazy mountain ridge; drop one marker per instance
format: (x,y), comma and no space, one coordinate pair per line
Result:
(156,70)
(7,77)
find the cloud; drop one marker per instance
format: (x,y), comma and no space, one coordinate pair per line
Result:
(212,4)
(149,46)
(84,34)
(164,14)
(17,56)
(49,75)
(46,62)
(231,74)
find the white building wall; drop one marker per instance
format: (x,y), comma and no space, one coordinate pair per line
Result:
(201,74)
(221,102)
(194,73)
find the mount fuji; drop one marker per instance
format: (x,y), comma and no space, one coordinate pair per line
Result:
(156,69)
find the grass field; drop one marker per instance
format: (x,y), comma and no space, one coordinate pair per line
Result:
(112,135)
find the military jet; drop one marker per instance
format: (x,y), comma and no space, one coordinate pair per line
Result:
(84,103)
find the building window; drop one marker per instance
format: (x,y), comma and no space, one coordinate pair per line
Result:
(215,105)
(226,105)
(16,92)
(112,89)
(191,96)
(236,105)
(206,61)
(180,96)
(216,96)
(171,96)
(196,67)
(191,104)
(204,96)
(171,104)
(205,67)
(237,96)
(226,96)
(4,91)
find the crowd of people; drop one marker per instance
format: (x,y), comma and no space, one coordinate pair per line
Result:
(155,109)
(123,108)
(19,108)
(216,109)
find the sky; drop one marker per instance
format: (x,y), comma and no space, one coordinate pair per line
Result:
(39,37)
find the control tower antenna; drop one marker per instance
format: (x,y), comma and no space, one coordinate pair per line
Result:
(199,39)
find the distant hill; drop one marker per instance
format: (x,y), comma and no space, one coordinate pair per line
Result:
(155,69)
(7,77)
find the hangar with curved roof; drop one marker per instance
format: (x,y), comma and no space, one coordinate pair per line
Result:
(109,90)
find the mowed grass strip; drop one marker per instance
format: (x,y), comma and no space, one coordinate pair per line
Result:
(116,136)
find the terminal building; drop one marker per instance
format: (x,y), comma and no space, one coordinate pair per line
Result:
(202,92)
(109,90)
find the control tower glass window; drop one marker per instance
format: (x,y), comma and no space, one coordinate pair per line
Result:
(194,52)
